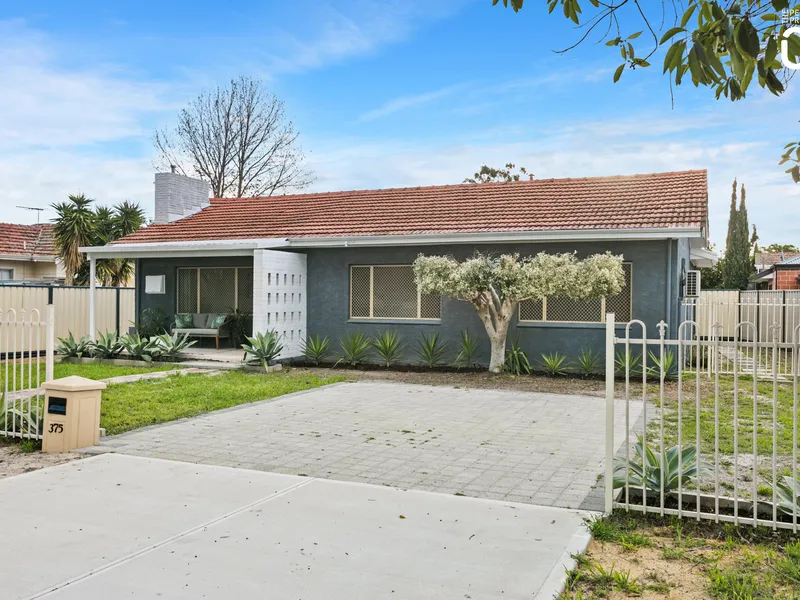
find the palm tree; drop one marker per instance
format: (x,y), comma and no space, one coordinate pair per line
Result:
(75,226)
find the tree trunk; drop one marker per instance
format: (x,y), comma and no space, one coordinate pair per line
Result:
(498,341)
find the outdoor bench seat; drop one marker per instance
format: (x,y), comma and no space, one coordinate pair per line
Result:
(202,326)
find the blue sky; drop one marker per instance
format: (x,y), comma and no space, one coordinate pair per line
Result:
(390,93)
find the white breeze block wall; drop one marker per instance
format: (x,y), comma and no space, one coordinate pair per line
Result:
(279,297)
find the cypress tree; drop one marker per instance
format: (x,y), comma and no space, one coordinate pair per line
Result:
(738,266)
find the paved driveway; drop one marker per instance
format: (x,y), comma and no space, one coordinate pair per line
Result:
(526,447)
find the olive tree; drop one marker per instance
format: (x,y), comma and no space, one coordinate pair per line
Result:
(495,285)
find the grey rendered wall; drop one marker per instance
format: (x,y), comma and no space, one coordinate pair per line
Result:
(328,296)
(169,267)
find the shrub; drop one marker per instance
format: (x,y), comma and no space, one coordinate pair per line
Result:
(140,348)
(431,351)
(107,346)
(72,348)
(316,349)
(355,347)
(388,346)
(238,325)
(468,349)
(263,347)
(516,359)
(151,322)
(644,469)
(554,363)
(171,346)
(589,362)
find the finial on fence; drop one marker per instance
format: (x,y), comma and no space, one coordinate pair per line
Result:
(662,329)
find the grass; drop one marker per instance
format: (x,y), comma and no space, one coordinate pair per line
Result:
(129,406)
(684,559)
(90,371)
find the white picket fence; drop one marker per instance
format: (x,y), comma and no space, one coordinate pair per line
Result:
(742,423)
(23,370)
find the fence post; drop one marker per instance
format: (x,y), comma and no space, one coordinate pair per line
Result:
(50,346)
(119,333)
(609,476)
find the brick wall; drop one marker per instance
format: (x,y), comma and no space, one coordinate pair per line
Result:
(786,279)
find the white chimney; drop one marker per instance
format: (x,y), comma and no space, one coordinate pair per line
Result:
(178,196)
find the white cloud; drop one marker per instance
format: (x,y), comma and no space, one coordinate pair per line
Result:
(404,102)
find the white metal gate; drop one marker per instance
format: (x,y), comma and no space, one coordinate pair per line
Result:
(711,444)
(22,370)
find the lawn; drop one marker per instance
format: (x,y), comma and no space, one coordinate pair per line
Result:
(635,555)
(90,371)
(129,406)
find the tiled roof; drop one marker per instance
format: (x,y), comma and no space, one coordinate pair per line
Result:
(771,258)
(790,260)
(26,240)
(678,199)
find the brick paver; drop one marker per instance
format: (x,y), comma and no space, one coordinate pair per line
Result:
(519,446)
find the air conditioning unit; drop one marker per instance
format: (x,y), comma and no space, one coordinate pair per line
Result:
(692,286)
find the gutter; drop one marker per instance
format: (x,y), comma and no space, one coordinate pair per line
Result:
(184,249)
(28,257)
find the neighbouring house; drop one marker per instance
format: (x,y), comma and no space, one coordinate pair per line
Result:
(27,254)
(783,273)
(336,262)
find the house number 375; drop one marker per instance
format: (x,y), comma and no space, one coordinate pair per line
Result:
(56,428)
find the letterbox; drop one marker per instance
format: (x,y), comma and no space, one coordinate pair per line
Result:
(71,413)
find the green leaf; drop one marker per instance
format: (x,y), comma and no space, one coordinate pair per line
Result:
(737,63)
(688,15)
(747,39)
(618,72)
(633,36)
(670,33)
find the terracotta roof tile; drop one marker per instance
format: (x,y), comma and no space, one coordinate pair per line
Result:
(678,199)
(26,240)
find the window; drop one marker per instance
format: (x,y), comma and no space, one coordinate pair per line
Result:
(565,310)
(6,274)
(389,292)
(154,284)
(215,289)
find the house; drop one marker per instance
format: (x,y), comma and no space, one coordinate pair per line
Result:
(331,263)
(27,253)
(782,274)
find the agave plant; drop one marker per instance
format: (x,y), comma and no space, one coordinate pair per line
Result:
(431,351)
(589,362)
(72,348)
(554,363)
(644,470)
(106,345)
(627,361)
(468,349)
(388,346)
(788,493)
(516,360)
(316,349)
(140,348)
(263,347)
(355,348)
(669,364)
(173,345)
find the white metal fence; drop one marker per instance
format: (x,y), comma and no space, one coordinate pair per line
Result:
(23,371)
(745,317)
(722,447)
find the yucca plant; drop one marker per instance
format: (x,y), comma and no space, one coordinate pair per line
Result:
(669,365)
(263,348)
(388,346)
(644,469)
(516,360)
(788,494)
(173,345)
(627,360)
(316,349)
(554,364)
(140,348)
(72,348)
(589,362)
(106,345)
(431,351)
(355,348)
(468,349)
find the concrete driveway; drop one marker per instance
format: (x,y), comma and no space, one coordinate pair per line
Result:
(536,448)
(115,526)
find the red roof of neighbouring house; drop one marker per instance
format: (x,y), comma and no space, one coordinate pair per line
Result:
(770,258)
(26,240)
(677,199)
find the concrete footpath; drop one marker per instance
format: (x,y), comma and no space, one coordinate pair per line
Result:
(115,526)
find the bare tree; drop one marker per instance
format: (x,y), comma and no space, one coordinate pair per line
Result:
(239,140)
